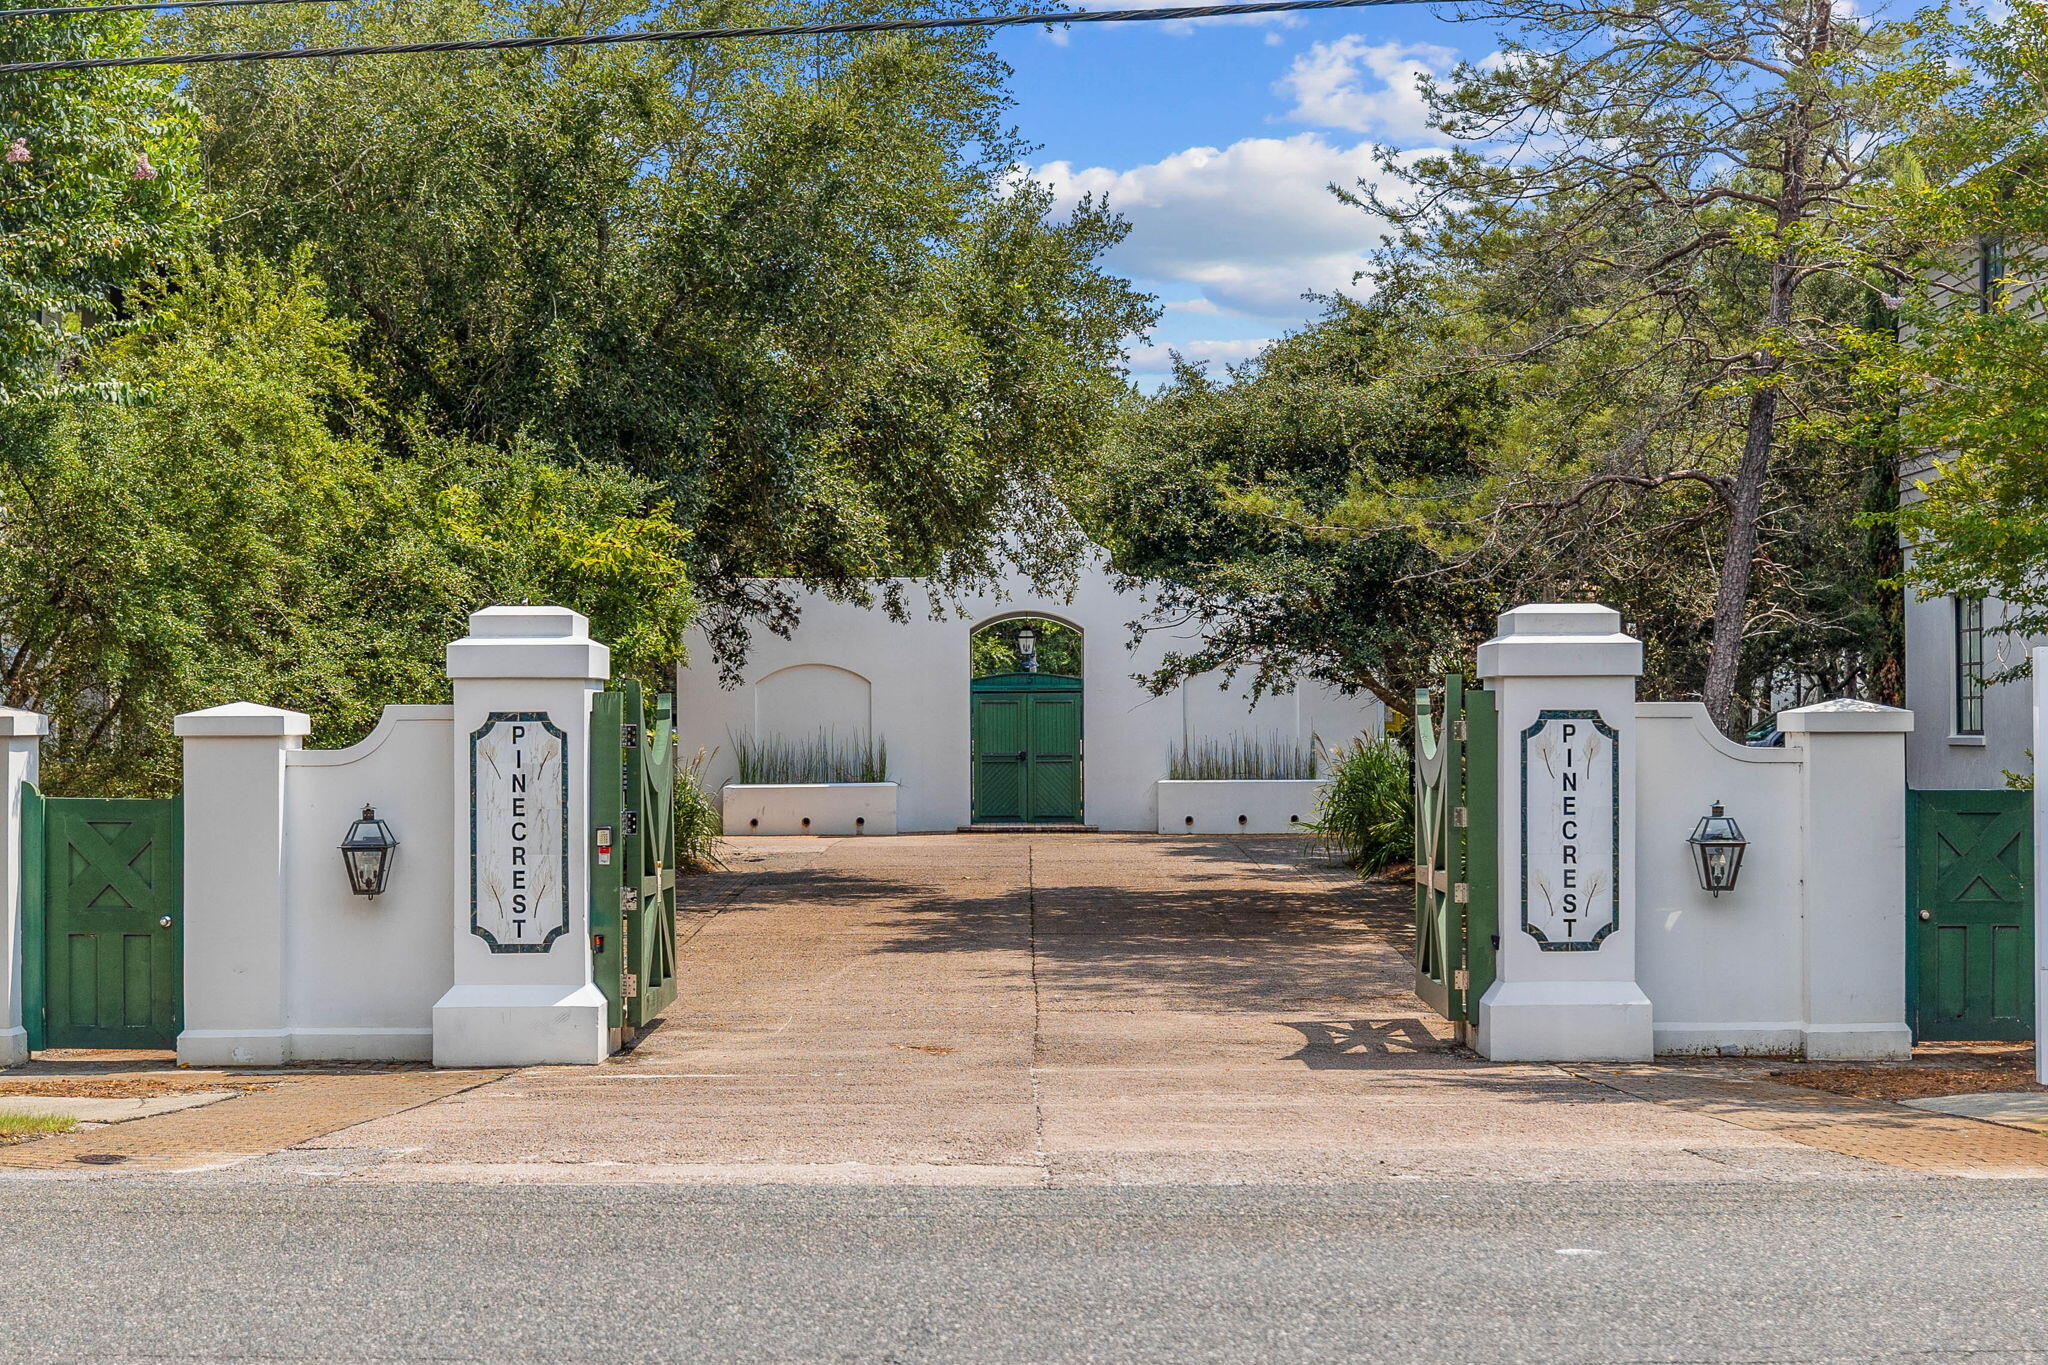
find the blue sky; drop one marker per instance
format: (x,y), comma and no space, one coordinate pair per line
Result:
(1217,140)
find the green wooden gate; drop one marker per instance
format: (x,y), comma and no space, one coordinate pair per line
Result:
(1970,958)
(102,891)
(1457,912)
(632,855)
(1027,748)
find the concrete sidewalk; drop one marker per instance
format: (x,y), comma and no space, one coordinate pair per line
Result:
(1049,1010)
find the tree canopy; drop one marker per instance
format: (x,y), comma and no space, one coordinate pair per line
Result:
(793,283)
(1669,229)
(1215,494)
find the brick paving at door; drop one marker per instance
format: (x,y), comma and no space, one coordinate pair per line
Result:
(1052,1010)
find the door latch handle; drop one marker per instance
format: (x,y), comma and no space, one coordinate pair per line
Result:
(164,923)
(1926,914)
(1023,755)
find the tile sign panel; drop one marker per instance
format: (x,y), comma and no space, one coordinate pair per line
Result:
(518,828)
(1571,831)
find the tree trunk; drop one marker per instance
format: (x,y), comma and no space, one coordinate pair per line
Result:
(1738,557)
(1760,430)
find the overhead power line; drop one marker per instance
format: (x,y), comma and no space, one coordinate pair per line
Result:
(49,11)
(690,35)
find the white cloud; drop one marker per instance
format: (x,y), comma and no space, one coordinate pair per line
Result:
(1197,306)
(1365,87)
(1150,360)
(1252,226)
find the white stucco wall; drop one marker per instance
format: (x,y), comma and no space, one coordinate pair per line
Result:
(917,676)
(1720,972)
(1807,955)
(362,975)
(282,962)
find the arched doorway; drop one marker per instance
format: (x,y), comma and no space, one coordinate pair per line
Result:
(1025,721)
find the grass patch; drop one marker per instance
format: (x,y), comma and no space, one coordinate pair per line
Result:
(826,756)
(20,1127)
(1241,758)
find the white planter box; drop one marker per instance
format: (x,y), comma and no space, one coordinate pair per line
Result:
(810,808)
(1242,807)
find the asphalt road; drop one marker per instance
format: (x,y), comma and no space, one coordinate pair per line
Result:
(199,1268)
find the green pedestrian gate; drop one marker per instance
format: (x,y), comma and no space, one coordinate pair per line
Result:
(1027,748)
(1457,914)
(1970,914)
(632,855)
(102,892)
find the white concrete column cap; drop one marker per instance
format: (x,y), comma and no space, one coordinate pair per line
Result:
(1845,715)
(14,721)
(243,719)
(529,642)
(1561,640)
(528,623)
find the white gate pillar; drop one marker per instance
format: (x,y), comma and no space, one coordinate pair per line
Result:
(22,733)
(1564,679)
(234,908)
(523,993)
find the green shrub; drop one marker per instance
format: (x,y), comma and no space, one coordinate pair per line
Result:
(698,825)
(823,757)
(1367,815)
(1241,758)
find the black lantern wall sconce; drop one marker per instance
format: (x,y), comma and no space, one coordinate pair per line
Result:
(1717,847)
(367,853)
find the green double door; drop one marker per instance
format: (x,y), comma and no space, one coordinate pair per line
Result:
(102,883)
(1027,748)
(1970,914)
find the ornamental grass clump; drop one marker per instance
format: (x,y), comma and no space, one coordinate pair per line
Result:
(1367,816)
(824,757)
(698,824)
(1241,758)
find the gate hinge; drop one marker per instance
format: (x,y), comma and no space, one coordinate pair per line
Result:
(629,985)
(629,735)
(1461,980)
(1461,731)
(630,821)
(1461,892)
(1461,817)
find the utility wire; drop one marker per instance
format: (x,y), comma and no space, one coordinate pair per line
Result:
(687,35)
(50,10)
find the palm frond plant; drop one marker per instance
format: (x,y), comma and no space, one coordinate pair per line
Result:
(1367,816)
(1241,758)
(826,756)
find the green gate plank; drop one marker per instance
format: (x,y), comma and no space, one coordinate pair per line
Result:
(1000,756)
(1482,845)
(1054,769)
(1970,915)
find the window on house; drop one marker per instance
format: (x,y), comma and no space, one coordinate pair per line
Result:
(1990,272)
(1969,665)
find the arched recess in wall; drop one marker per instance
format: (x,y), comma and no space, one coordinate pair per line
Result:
(803,699)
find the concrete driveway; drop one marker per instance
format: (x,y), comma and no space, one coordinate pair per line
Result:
(1049,1010)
